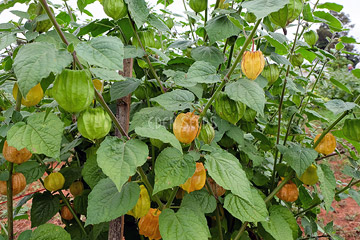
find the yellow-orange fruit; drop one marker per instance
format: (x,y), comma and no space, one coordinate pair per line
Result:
(327,145)
(65,213)
(18,184)
(197,181)
(289,192)
(216,188)
(13,155)
(252,64)
(33,97)
(98,85)
(186,127)
(149,224)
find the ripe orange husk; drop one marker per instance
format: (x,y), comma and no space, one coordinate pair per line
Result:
(186,127)
(18,184)
(13,155)
(197,181)
(149,224)
(252,64)
(327,144)
(289,192)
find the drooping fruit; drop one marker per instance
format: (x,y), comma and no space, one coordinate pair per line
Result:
(207,133)
(228,109)
(310,176)
(66,213)
(55,181)
(115,9)
(13,155)
(289,192)
(142,206)
(327,145)
(186,127)
(147,38)
(98,85)
(149,224)
(287,14)
(351,129)
(197,181)
(94,123)
(280,17)
(271,73)
(76,188)
(311,37)
(198,5)
(169,23)
(18,184)
(33,97)
(249,115)
(36,10)
(296,60)
(250,17)
(252,64)
(216,189)
(73,90)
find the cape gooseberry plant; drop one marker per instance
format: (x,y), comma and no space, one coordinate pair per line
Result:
(163,126)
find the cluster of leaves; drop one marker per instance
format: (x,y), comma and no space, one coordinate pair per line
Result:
(177,71)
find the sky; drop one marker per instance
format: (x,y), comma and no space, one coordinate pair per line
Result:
(351,7)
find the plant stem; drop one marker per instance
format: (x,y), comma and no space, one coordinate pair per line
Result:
(72,211)
(307,209)
(218,222)
(266,200)
(172,196)
(231,70)
(191,29)
(351,183)
(99,97)
(146,55)
(149,188)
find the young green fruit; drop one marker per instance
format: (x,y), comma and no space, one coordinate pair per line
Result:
(296,60)
(228,109)
(94,123)
(311,37)
(115,9)
(271,73)
(54,181)
(310,176)
(250,17)
(207,134)
(198,5)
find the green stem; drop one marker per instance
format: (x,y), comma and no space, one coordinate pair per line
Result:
(99,97)
(230,55)
(72,211)
(172,197)
(149,187)
(218,222)
(191,29)
(307,209)
(232,69)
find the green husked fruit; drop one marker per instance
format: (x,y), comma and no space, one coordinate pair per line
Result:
(271,73)
(311,37)
(310,176)
(287,14)
(169,23)
(73,90)
(228,109)
(198,5)
(351,129)
(94,123)
(296,60)
(247,126)
(147,38)
(250,115)
(115,9)
(207,134)
(280,17)
(250,17)
(36,10)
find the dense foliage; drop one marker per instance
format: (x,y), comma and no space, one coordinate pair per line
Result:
(200,127)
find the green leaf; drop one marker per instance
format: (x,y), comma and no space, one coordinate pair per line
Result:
(245,210)
(280,47)
(32,170)
(107,203)
(199,200)
(44,207)
(279,59)
(104,51)
(119,159)
(6,40)
(346,39)
(355,195)
(247,92)
(185,224)
(226,170)
(328,18)
(158,132)
(331,6)
(208,54)
(172,168)
(50,231)
(340,85)
(91,172)
(138,10)
(8,4)
(175,100)
(36,61)
(327,184)
(106,74)
(262,8)
(41,134)
(220,27)
(133,52)
(25,235)
(277,225)
(20,14)
(279,211)
(71,174)
(339,106)
(123,88)
(308,55)
(313,115)
(298,157)
(54,38)
(307,13)
(356,73)
(202,72)
(157,23)
(150,115)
